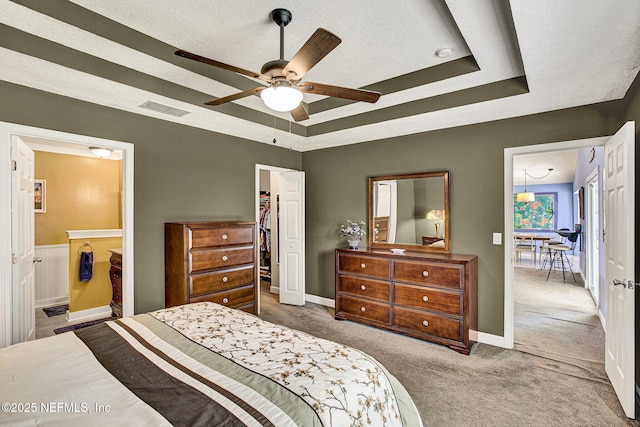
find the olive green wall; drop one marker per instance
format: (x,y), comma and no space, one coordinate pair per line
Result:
(181,173)
(337,189)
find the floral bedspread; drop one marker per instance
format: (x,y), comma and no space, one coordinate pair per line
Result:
(343,385)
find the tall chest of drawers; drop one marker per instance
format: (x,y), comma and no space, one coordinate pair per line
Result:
(211,261)
(428,296)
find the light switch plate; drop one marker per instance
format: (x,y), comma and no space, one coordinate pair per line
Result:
(497,238)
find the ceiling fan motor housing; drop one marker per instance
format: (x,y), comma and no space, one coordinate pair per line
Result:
(274,68)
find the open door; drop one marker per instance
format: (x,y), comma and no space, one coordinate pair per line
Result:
(619,245)
(291,238)
(22,242)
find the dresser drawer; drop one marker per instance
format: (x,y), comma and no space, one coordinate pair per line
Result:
(231,298)
(220,236)
(429,299)
(374,267)
(205,283)
(449,276)
(368,288)
(425,323)
(208,259)
(375,311)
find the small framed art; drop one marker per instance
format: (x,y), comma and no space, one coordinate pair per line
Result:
(40,195)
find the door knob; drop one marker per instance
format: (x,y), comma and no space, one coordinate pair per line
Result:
(37,259)
(617,282)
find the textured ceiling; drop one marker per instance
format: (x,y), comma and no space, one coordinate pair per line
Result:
(510,59)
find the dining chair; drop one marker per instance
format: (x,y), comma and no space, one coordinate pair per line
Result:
(524,243)
(559,259)
(545,248)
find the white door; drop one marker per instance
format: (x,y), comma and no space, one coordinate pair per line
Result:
(23,243)
(291,235)
(619,247)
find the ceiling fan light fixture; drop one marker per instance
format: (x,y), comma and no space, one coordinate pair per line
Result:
(281,98)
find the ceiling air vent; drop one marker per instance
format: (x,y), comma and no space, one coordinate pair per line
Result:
(161,108)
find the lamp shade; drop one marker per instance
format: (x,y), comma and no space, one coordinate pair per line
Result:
(526,197)
(281,98)
(435,214)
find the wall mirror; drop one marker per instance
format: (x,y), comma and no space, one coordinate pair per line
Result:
(410,211)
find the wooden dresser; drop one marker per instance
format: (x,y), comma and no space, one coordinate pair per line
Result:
(211,261)
(430,296)
(115,274)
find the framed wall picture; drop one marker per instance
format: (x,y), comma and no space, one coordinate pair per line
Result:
(581,202)
(540,215)
(40,195)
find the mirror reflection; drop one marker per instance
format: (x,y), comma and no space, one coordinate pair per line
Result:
(409,211)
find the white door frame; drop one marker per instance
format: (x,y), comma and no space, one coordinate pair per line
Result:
(592,240)
(507,340)
(258,168)
(7,130)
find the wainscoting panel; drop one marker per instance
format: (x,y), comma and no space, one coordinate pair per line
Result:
(52,275)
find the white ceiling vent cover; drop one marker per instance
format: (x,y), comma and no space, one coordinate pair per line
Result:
(161,108)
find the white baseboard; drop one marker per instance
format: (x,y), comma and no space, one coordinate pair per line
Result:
(52,301)
(328,302)
(494,340)
(89,314)
(603,321)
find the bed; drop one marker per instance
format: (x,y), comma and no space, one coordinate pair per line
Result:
(197,364)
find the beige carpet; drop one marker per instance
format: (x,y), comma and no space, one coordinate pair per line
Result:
(540,385)
(558,322)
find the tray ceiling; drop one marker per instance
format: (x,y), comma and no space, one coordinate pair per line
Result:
(509,59)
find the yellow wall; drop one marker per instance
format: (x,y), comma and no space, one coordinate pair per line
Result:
(97,291)
(82,193)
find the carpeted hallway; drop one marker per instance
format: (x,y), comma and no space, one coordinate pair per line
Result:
(554,377)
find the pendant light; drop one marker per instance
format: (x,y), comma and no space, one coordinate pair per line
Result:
(529,196)
(525,196)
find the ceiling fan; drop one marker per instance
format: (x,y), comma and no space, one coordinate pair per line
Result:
(285,89)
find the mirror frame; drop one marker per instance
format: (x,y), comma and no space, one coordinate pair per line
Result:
(408,246)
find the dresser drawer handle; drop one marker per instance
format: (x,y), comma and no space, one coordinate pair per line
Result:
(225,279)
(363,265)
(225,258)
(225,300)
(363,287)
(363,309)
(225,237)
(425,298)
(425,273)
(425,323)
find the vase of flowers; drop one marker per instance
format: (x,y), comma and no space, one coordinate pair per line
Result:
(353,231)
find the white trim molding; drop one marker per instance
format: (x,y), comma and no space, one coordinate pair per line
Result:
(509,154)
(89,314)
(93,234)
(11,130)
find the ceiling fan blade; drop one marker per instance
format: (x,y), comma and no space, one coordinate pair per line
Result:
(317,47)
(193,56)
(299,113)
(235,96)
(339,92)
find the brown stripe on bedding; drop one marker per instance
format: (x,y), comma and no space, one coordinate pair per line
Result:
(264,421)
(179,403)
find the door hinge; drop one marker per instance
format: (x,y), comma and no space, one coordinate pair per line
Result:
(14,260)
(14,165)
